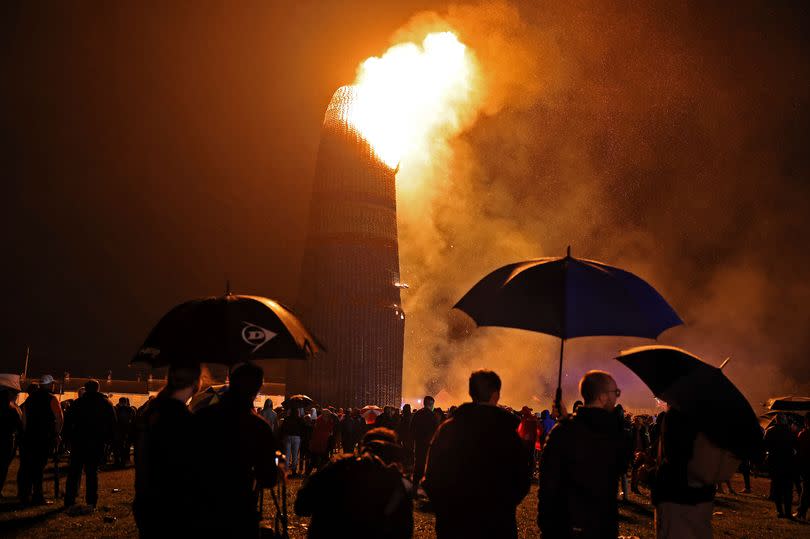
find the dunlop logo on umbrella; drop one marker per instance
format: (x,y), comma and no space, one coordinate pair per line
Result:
(256,336)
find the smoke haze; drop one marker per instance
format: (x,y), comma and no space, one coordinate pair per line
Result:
(638,134)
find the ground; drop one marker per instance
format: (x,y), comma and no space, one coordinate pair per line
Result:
(739,516)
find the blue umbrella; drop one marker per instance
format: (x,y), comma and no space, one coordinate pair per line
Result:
(568,297)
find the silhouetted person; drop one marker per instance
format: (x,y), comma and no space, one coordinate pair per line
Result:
(10,422)
(404,436)
(42,423)
(361,496)
(477,469)
(423,425)
(683,506)
(291,432)
(164,470)
(580,466)
(625,433)
(544,427)
(780,445)
(90,426)
(124,425)
(319,443)
(237,450)
(640,447)
(527,430)
(803,461)
(270,415)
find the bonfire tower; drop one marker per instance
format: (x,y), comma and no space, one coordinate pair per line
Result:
(349,292)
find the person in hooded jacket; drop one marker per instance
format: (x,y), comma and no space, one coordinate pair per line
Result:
(361,496)
(237,447)
(477,468)
(164,469)
(580,467)
(89,427)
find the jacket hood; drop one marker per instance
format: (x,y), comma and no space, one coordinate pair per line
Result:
(597,418)
(486,416)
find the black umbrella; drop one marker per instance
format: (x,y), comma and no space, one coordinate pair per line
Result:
(789,404)
(568,297)
(700,390)
(226,329)
(297,401)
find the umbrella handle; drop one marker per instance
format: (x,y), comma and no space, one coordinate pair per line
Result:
(558,394)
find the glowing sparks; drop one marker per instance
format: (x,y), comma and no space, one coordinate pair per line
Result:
(403,97)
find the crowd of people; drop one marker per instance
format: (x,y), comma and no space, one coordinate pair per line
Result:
(471,465)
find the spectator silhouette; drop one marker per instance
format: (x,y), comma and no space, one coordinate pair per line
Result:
(478,469)
(580,466)
(164,469)
(291,431)
(237,448)
(404,435)
(42,424)
(803,458)
(90,427)
(270,415)
(423,425)
(10,422)
(124,425)
(781,444)
(361,496)
(683,507)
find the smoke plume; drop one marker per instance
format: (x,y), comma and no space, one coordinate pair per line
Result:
(658,138)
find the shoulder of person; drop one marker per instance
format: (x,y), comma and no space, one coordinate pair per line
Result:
(565,425)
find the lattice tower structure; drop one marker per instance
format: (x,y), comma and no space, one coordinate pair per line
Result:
(349,295)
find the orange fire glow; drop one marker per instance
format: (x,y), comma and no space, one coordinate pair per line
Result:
(403,97)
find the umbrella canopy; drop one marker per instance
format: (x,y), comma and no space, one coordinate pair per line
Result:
(700,390)
(370,413)
(226,329)
(789,404)
(297,401)
(568,297)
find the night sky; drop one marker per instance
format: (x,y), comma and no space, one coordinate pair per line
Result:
(154,150)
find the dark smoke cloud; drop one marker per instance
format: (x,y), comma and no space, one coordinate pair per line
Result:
(665,139)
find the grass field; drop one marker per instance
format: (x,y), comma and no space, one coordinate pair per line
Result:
(739,516)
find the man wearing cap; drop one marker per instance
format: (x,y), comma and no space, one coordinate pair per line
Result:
(10,422)
(42,423)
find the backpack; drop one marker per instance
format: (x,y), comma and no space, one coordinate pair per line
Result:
(710,464)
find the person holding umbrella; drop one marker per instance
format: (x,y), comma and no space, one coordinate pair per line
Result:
(238,447)
(708,429)
(228,437)
(164,468)
(683,507)
(581,464)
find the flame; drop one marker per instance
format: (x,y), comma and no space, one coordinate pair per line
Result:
(409,93)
